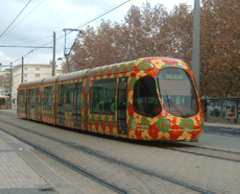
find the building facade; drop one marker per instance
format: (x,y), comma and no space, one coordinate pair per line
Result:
(31,72)
(4,81)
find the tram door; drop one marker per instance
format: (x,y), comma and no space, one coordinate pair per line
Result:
(122,91)
(77,102)
(29,96)
(60,111)
(36,102)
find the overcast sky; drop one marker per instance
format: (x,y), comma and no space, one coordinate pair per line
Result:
(35,25)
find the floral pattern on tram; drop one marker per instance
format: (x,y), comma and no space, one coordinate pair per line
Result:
(164,126)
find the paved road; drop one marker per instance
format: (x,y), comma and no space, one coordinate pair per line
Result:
(228,136)
(212,168)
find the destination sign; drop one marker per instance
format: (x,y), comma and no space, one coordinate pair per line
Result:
(173,76)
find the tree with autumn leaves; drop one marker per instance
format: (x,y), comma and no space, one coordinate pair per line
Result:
(153,31)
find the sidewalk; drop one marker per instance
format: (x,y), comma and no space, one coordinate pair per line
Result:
(16,175)
(22,172)
(225,125)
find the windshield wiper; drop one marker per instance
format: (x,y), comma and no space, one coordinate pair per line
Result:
(170,101)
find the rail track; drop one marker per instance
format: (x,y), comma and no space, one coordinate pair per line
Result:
(100,156)
(185,148)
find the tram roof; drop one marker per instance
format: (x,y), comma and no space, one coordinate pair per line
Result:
(22,86)
(147,64)
(74,75)
(36,83)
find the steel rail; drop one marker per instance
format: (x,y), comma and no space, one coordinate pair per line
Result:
(107,158)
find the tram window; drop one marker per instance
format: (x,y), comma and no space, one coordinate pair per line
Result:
(36,95)
(177,92)
(77,97)
(146,100)
(31,97)
(61,95)
(47,98)
(96,105)
(68,97)
(103,96)
(109,95)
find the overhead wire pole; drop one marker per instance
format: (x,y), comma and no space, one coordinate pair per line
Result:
(54,54)
(22,69)
(196,44)
(10,85)
(77,29)
(65,49)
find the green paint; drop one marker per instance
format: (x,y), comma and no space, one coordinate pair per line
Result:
(144,65)
(132,123)
(163,125)
(187,125)
(130,66)
(180,66)
(167,65)
(121,68)
(132,82)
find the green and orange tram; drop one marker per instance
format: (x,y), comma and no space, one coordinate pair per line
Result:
(4,102)
(153,99)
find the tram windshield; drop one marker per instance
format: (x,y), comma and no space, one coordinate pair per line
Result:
(177,92)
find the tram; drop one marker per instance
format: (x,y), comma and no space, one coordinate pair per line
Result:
(4,102)
(153,99)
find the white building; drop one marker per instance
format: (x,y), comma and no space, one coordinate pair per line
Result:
(4,81)
(32,72)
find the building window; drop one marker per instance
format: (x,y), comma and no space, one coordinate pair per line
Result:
(37,69)
(25,81)
(25,75)
(37,75)
(25,68)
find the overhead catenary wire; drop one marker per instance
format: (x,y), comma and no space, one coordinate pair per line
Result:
(93,19)
(101,15)
(15,19)
(82,25)
(27,14)
(24,46)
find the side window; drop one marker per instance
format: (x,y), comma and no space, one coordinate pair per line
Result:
(96,105)
(109,95)
(68,97)
(47,98)
(77,97)
(61,95)
(37,95)
(103,96)
(146,100)
(31,96)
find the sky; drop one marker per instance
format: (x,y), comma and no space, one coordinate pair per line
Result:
(40,18)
